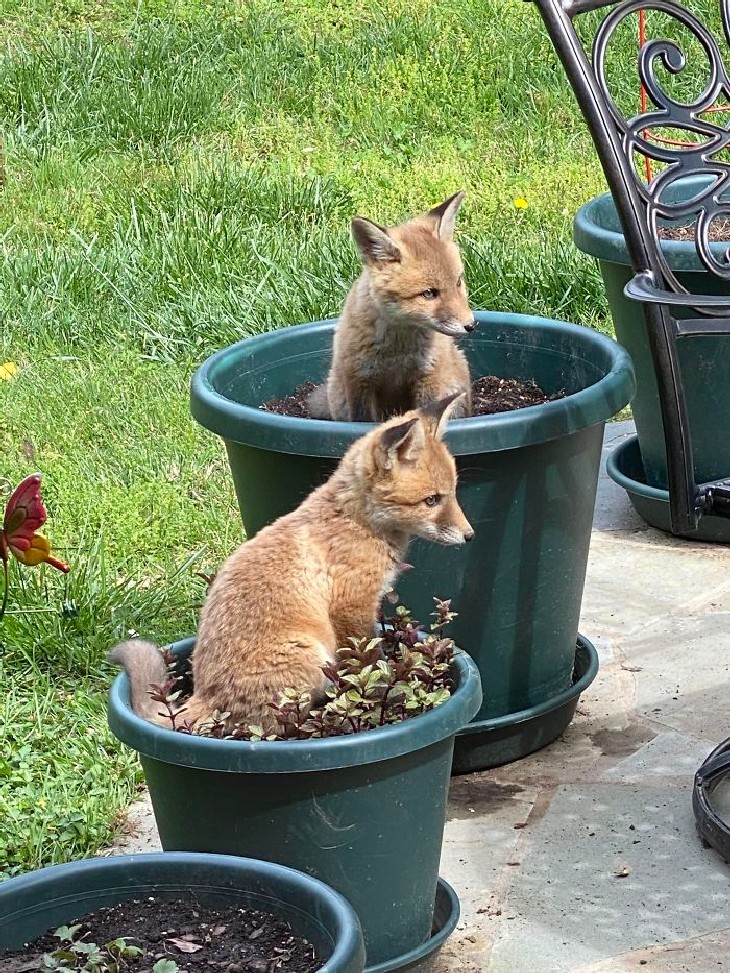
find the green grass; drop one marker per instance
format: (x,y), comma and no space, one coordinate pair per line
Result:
(181,174)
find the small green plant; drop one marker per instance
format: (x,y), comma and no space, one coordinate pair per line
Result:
(373,682)
(80,955)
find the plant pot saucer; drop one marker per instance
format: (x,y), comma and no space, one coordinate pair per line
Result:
(491,743)
(418,960)
(625,467)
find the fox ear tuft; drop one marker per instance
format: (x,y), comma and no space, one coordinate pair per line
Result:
(373,242)
(444,216)
(403,442)
(437,414)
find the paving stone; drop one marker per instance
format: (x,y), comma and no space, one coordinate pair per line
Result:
(609,868)
(613,507)
(667,755)
(485,821)
(683,677)
(634,580)
(701,955)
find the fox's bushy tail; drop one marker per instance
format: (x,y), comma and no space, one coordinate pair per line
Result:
(318,403)
(145,668)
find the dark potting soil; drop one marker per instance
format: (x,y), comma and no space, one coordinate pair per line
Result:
(195,937)
(719,230)
(490,394)
(294,405)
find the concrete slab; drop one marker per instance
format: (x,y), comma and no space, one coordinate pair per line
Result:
(584,857)
(666,756)
(613,508)
(609,868)
(700,955)
(637,578)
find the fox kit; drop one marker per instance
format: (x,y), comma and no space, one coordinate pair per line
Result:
(284,602)
(394,346)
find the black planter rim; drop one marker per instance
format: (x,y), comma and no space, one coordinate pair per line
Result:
(714,829)
(589,406)
(297,756)
(346,932)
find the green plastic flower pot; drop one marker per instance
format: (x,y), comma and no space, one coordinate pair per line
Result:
(32,904)
(528,483)
(364,813)
(704,361)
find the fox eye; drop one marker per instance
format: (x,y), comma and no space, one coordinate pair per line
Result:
(431,293)
(433,500)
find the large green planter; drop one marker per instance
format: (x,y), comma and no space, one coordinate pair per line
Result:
(528,483)
(704,363)
(364,813)
(32,904)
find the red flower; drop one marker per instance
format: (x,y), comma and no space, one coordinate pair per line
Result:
(24,515)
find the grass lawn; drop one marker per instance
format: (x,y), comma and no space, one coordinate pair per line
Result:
(179,175)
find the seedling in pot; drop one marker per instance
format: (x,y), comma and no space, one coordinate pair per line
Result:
(401,673)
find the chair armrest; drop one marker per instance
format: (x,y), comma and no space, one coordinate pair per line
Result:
(642,288)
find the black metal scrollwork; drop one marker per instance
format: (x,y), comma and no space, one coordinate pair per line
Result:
(706,139)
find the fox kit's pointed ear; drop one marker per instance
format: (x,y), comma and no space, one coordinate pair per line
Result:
(437,414)
(373,242)
(444,216)
(402,443)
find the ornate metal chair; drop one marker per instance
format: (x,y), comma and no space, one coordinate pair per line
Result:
(643,204)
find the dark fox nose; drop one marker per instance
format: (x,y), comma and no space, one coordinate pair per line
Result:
(470,326)
(468,535)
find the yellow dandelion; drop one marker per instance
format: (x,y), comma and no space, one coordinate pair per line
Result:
(520,203)
(8,370)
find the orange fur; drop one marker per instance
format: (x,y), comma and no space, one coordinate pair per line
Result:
(394,346)
(283,603)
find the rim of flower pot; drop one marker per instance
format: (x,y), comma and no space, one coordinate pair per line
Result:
(296,756)
(72,882)
(251,426)
(597,230)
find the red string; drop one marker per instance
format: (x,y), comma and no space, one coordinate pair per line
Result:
(642,92)
(643,103)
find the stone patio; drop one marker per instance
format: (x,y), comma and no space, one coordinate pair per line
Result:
(584,857)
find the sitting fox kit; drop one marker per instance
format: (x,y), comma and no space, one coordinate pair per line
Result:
(284,602)
(394,347)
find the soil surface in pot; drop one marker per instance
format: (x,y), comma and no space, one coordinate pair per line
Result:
(194,937)
(719,230)
(490,394)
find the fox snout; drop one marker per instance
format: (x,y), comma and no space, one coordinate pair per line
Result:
(454,326)
(453,528)
(456,535)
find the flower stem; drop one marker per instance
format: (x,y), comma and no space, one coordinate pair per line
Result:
(6,588)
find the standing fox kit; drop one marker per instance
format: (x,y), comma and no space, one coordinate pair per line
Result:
(394,347)
(284,602)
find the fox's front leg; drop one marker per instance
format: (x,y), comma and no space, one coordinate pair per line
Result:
(361,404)
(434,391)
(349,401)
